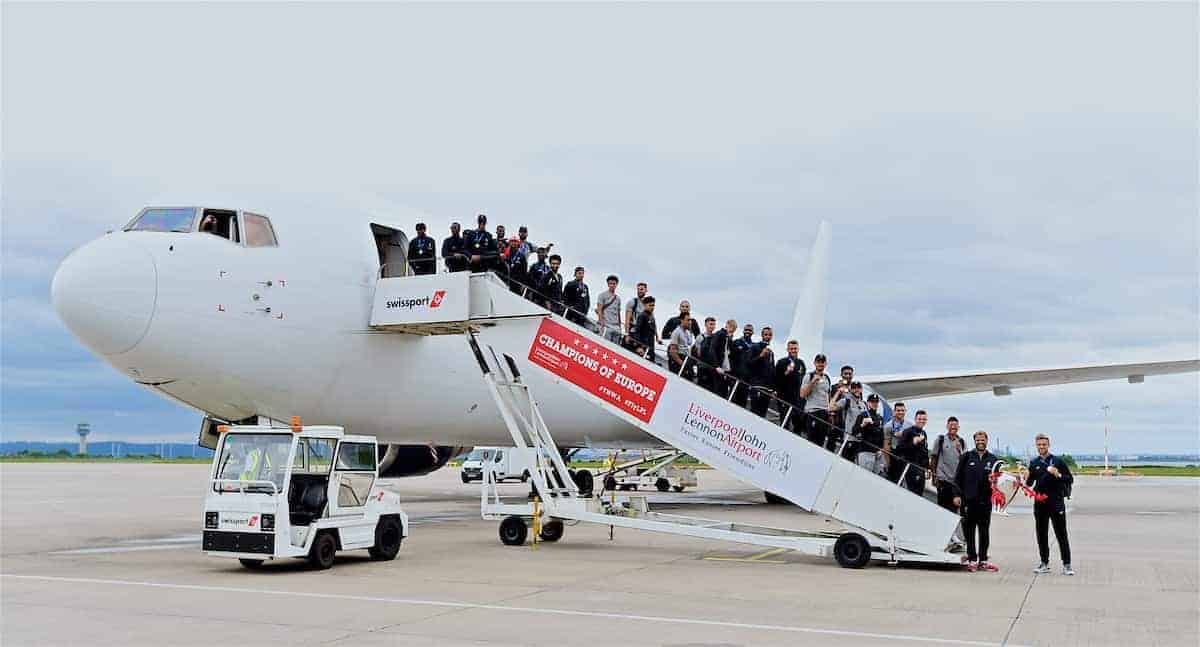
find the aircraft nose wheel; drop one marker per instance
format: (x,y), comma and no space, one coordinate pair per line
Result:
(513,531)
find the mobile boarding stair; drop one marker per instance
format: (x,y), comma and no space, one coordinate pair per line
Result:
(513,339)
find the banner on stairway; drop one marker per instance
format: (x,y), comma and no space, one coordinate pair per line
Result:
(611,376)
(433,298)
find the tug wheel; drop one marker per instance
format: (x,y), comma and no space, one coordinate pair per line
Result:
(552,530)
(388,536)
(677,488)
(610,483)
(513,531)
(252,564)
(852,550)
(662,484)
(323,550)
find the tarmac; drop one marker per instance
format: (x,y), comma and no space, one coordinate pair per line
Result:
(109,554)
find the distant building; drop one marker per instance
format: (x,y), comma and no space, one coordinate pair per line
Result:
(83,429)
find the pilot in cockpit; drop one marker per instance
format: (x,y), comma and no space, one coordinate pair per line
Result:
(209,224)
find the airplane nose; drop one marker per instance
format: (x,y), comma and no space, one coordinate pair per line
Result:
(105,293)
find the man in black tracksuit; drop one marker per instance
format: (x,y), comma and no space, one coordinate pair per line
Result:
(537,272)
(738,356)
(715,355)
(577,299)
(454,250)
(1049,475)
(643,331)
(422,252)
(516,268)
(973,496)
(788,372)
(914,448)
(760,366)
(551,286)
(481,247)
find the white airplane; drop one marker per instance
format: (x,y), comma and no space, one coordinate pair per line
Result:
(266,316)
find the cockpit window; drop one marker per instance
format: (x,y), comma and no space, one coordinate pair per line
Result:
(259,232)
(220,222)
(172,219)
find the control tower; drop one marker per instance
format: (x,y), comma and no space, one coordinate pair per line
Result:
(83,429)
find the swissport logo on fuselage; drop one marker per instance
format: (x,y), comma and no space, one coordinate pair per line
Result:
(408,303)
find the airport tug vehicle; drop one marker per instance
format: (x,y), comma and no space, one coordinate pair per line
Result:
(305,492)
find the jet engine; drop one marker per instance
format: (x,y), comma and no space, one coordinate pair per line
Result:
(397,461)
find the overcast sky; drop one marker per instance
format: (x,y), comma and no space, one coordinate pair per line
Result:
(1009,184)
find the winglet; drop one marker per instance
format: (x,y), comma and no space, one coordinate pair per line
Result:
(808,321)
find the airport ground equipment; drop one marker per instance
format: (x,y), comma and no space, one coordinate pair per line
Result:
(658,470)
(881,520)
(503,463)
(562,501)
(306,492)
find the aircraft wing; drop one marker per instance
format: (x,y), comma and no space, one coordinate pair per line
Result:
(1003,382)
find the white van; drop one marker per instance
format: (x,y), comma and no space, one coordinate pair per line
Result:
(506,463)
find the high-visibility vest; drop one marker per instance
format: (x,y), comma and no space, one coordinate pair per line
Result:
(250,466)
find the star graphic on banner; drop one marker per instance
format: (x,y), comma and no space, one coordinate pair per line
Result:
(576,342)
(624,366)
(605,356)
(615,362)
(595,351)
(585,347)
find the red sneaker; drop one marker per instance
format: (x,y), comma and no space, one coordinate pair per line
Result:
(988,566)
(972,566)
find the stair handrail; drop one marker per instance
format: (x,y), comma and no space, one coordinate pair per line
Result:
(768,392)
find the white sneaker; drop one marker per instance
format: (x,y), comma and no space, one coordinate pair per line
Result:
(1042,568)
(1067,570)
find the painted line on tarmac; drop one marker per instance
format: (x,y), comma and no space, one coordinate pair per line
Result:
(193,541)
(137,545)
(500,607)
(760,558)
(124,549)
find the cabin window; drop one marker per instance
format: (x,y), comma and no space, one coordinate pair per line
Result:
(356,456)
(259,232)
(313,456)
(169,219)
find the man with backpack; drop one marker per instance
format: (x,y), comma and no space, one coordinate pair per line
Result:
(815,391)
(947,450)
(608,311)
(1049,475)
(847,408)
